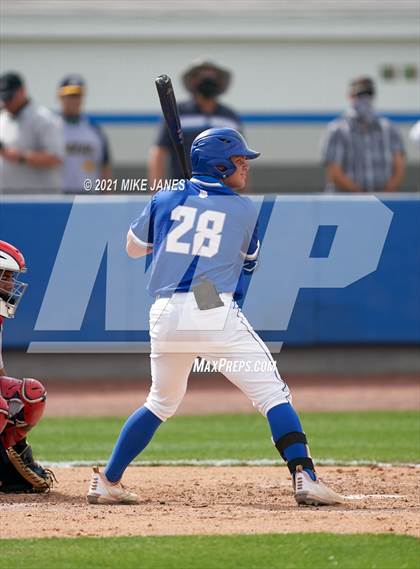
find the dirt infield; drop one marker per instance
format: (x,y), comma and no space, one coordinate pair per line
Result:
(223,500)
(218,500)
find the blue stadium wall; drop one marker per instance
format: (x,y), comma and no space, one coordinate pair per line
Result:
(381,308)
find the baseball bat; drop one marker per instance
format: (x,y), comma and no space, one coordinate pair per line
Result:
(170,112)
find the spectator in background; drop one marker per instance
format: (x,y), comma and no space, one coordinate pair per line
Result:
(415,133)
(363,152)
(206,81)
(87,153)
(31,141)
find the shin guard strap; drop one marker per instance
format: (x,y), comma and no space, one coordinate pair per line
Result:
(305,462)
(290,439)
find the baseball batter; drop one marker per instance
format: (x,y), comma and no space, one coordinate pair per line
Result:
(22,401)
(202,239)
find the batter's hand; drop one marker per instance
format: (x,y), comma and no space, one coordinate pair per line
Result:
(11,154)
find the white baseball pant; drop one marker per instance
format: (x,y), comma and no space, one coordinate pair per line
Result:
(180,332)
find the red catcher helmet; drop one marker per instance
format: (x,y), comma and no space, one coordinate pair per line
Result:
(12,263)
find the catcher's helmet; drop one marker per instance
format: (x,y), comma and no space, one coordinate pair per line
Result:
(12,263)
(212,150)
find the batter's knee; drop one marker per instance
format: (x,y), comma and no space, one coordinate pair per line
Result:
(276,397)
(163,408)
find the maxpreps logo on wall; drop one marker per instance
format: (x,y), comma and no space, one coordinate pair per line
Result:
(96,298)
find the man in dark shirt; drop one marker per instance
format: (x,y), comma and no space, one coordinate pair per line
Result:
(205,81)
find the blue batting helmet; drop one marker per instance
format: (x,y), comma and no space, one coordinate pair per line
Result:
(212,150)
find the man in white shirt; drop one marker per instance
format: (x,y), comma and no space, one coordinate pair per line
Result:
(31,141)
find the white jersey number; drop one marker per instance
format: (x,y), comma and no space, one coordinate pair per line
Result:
(207,236)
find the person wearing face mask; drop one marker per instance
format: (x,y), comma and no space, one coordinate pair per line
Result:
(206,81)
(362,151)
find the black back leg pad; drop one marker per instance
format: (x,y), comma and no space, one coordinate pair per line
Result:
(289,439)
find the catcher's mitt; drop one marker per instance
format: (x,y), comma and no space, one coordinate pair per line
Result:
(31,476)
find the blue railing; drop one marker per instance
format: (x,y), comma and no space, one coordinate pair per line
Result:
(250,118)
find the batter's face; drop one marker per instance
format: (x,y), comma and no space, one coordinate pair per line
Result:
(71,105)
(238,180)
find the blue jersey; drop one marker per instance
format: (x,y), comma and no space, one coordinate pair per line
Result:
(202,230)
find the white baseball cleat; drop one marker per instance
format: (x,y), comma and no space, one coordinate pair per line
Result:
(101,491)
(313,492)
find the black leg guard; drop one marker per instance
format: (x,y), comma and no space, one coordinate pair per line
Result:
(290,439)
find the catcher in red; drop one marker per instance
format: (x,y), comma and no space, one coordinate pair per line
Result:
(22,401)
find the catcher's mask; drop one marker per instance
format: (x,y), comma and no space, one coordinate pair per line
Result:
(12,263)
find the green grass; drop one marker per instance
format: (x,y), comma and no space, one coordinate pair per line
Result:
(372,436)
(303,551)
